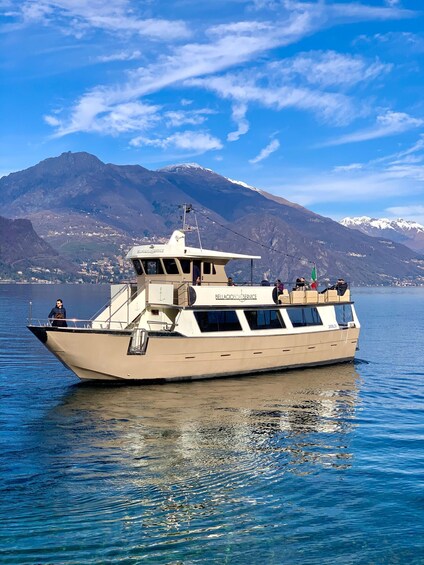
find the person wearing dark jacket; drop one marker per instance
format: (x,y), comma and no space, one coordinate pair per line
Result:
(57,315)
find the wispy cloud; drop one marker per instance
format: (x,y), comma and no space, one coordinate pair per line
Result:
(414,213)
(266,152)
(406,211)
(328,68)
(239,116)
(121,56)
(348,168)
(396,41)
(177,118)
(186,141)
(379,180)
(253,88)
(326,188)
(387,124)
(124,117)
(79,16)
(102,109)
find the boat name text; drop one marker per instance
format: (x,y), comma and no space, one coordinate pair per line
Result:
(240,297)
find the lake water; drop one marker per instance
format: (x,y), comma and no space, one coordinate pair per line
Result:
(321,466)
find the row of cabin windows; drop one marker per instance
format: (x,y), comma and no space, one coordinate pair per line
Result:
(170,266)
(228,321)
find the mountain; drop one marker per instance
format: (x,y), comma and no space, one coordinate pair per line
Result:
(408,233)
(23,252)
(92,211)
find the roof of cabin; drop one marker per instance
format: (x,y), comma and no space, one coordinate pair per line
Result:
(176,247)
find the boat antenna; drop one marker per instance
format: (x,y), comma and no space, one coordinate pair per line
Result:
(187,208)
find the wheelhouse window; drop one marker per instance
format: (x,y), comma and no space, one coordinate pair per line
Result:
(304,317)
(217,321)
(137,266)
(208,268)
(152,267)
(264,319)
(185,266)
(171,266)
(344,314)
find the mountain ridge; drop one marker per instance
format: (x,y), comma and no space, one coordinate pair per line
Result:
(402,231)
(89,210)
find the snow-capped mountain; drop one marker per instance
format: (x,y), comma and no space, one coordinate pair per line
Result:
(183,167)
(408,233)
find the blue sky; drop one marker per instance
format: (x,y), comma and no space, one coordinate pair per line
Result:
(319,102)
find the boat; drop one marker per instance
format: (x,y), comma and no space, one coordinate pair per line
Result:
(181,321)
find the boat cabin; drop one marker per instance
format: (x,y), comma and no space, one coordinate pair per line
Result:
(174,262)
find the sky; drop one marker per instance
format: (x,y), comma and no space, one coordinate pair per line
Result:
(319,102)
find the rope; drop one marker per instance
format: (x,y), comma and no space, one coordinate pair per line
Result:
(190,208)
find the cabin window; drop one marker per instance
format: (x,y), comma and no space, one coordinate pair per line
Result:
(344,314)
(218,321)
(137,266)
(208,268)
(264,319)
(185,266)
(171,266)
(304,317)
(152,267)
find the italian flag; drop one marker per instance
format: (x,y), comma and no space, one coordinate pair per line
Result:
(314,283)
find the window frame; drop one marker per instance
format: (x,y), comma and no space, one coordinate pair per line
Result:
(175,261)
(264,327)
(214,326)
(144,262)
(306,322)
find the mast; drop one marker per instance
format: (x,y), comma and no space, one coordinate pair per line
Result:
(187,208)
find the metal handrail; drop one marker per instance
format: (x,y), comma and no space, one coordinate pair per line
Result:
(108,303)
(125,304)
(71,323)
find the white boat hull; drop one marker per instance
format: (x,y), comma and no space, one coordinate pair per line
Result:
(104,355)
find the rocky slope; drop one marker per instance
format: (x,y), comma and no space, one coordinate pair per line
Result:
(23,251)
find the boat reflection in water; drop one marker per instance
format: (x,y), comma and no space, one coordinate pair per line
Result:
(203,471)
(295,420)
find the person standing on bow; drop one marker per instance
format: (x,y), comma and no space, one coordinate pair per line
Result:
(57,315)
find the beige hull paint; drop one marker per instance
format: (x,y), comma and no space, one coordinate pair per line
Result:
(104,355)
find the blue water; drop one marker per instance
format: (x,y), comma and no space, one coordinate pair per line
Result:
(302,467)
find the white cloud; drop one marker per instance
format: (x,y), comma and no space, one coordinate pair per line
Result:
(177,118)
(390,123)
(121,56)
(353,10)
(413,213)
(239,116)
(368,187)
(406,210)
(116,16)
(187,141)
(52,121)
(266,151)
(348,168)
(247,88)
(199,59)
(328,68)
(95,116)
(374,182)
(230,45)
